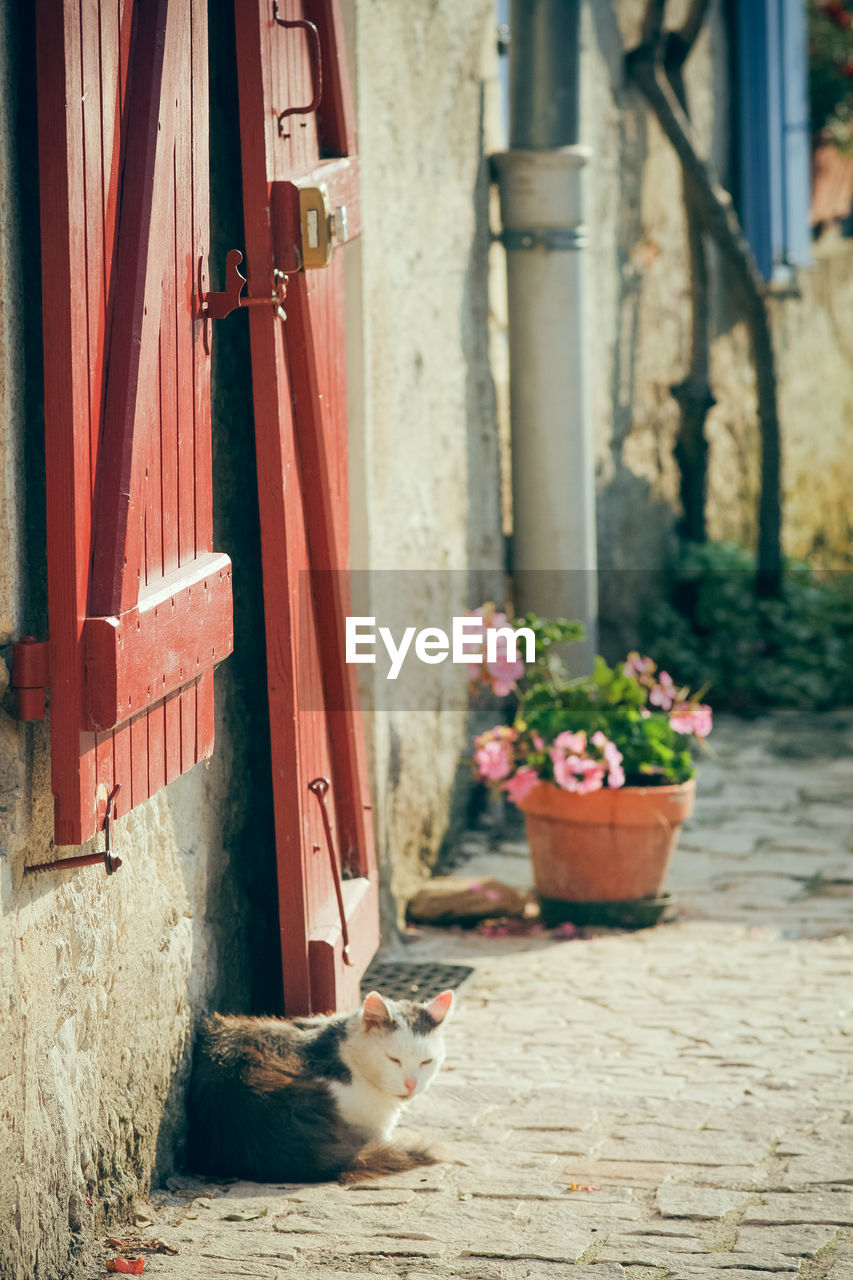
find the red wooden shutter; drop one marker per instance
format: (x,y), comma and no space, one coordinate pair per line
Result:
(299,378)
(139,605)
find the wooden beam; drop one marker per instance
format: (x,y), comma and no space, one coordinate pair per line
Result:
(180,628)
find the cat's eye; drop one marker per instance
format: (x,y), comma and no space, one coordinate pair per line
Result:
(396,1061)
(426,1062)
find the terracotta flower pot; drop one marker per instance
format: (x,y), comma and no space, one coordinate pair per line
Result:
(607,846)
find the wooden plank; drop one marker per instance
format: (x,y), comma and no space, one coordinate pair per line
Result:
(334,984)
(271,398)
(291,84)
(66,407)
(132,343)
(124,19)
(138,760)
(204,721)
(336,131)
(330,582)
(203,461)
(189,699)
(180,627)
(184,336)
(203,427)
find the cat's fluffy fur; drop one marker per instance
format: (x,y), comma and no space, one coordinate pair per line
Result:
(305,1099)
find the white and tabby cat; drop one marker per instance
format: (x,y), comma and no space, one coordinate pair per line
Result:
(305,1099)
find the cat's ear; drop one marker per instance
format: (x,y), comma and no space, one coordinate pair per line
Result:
(440,1006)
(375,1012)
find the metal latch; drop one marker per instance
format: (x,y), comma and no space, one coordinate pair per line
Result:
(319,226)
(216,306)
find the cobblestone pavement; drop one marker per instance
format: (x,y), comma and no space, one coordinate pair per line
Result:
(672,1103)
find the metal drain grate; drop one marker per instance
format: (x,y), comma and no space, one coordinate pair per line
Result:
(402,981)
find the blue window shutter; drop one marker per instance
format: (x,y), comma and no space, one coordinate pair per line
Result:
(774,133)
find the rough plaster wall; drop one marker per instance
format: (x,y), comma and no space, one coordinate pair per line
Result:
(431,476)
(639,326)
(638,317)
(100,979)
(814,342)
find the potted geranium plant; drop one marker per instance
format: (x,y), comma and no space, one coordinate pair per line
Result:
(600,765)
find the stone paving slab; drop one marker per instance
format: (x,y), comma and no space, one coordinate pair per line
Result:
(673,1104)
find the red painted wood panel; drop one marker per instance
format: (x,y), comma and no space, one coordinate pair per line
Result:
(123,154)
(301,441)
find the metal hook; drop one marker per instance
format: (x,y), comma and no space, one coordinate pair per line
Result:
(110,860)
(320,788)
(315,58)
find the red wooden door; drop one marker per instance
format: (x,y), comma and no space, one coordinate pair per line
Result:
(139,604)
(297,136)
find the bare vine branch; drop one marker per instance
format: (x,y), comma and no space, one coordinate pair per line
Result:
(652,27)
(714,209)
(688,32)
(693,394)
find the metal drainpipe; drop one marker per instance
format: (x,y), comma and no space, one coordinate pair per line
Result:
(541,191)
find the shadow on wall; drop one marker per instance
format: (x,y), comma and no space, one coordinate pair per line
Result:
(243,719)
(235,923)
(485,543)
(635,523)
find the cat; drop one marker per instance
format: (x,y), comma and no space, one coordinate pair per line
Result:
(315,1098)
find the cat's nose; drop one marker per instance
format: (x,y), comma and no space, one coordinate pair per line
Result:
(410,1085)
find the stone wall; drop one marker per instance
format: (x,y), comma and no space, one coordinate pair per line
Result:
(426,475)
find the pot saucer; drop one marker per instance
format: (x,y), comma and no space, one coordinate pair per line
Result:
(635,913)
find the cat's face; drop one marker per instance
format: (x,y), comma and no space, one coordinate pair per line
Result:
(399,1045)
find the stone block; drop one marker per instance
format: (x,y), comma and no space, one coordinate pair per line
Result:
(833,1208)
(702,1203)
(463,899)
(801,1241)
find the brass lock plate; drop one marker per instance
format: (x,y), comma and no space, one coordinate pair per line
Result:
(315,226)
(320,226)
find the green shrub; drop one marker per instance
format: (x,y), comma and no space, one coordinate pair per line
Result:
(795,651)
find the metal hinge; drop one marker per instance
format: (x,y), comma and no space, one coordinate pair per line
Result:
(30,677)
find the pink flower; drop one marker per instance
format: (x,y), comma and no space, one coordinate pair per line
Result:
(489,615)
(613,757)
(493,760)
(521,783)
(538,742)
(577,773)
(563,775)
(566,741)
(663,693)
(703,720)
(504,675)
(566,930)
(592,781)
(687,717)
(501,674)
(637,666)
(615,777)
(493,754)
